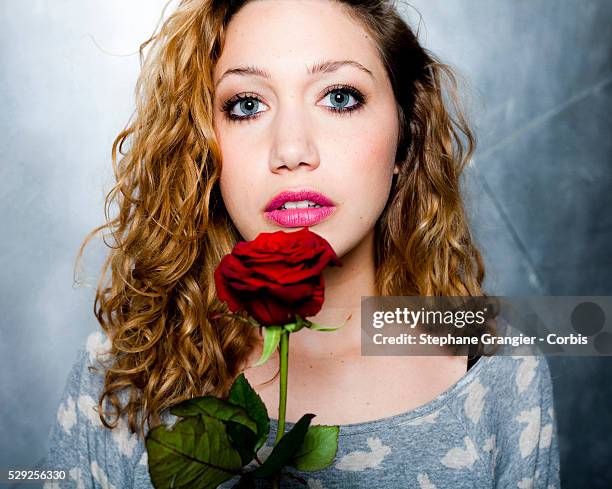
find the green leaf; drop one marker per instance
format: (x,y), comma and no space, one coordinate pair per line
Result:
(215,408)
(285,448)
(243,395)
(243,440)
(194,453)
(318,448)
(272,335)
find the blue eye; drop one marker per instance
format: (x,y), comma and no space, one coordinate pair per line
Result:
(340,97)
(247,104)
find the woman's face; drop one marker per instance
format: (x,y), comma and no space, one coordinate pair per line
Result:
(296,119)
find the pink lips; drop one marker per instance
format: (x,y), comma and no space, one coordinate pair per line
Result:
(299,217)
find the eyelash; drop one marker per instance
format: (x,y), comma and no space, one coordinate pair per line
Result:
(229,104)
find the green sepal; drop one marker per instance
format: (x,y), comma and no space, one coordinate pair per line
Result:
(292,327)
(282,452)
(272,336)
(296,326)
(195,453)
(317,327)
(318,449)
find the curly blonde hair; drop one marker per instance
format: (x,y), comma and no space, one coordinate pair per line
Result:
(172,229)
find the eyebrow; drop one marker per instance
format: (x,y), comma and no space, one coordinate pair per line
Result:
(320,67)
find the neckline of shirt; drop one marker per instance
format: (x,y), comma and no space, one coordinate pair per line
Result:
(391,421)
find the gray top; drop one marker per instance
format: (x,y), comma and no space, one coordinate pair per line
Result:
(495,427)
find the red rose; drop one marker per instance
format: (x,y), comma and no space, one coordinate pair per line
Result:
(276,276)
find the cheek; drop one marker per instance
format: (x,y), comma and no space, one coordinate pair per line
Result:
(240,169)
(371,175)
(237,193)
(227,182)
(374,147)
(374,156)
(233,189)
(232,181)
(382,142)
(232,194)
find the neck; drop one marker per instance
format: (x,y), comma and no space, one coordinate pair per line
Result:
(344,287)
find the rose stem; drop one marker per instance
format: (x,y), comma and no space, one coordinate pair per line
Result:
(282,404)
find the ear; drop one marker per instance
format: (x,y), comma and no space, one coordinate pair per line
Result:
(396,169)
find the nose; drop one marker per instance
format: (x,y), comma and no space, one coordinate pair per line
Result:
(293,145)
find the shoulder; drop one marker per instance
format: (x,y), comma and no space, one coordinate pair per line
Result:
(85,384)
(504,388)
(507,408)
(78,441)
(521,378)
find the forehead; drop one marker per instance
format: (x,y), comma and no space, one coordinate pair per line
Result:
(285,36)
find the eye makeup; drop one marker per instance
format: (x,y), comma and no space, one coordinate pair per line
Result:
(253,99)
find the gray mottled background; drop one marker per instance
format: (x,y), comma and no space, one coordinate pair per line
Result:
(538,90)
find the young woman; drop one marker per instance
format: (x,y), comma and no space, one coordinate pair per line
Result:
(321,102)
